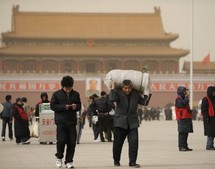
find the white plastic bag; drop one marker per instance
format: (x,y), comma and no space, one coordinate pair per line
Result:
(1,107)
(112,112)
(95,119)
(141,81)
(35,129)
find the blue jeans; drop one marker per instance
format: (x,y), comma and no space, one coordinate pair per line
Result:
(6,121)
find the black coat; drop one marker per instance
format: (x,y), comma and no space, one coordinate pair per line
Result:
(125,111)
(58,104)
(102,105)
(21,126)
(185,126)
(209,122)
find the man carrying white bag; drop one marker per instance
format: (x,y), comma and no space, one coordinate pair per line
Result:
(140,80)
(129,88)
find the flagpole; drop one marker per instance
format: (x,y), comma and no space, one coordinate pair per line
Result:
(209,63)
(191,55)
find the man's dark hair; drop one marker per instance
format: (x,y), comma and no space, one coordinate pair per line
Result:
(94,96)
(103,93)
(24,99)
(126,82)
(42,94)
(8,97)
(67,81)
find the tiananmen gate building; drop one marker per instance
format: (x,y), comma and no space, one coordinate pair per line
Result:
(43,47)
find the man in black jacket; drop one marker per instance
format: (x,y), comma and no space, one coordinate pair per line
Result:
(65,103)
(101,108)
(126,121)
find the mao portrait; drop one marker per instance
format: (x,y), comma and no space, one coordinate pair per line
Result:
(93,85)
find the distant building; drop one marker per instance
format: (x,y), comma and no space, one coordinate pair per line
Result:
(42,47)
(200,68)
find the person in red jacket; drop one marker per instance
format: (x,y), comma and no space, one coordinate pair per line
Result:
(184,118)
(21,124)
(208,112)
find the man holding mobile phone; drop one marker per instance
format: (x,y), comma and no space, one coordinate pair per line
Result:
(65,103)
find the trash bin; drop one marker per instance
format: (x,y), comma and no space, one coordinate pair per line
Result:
(47,127)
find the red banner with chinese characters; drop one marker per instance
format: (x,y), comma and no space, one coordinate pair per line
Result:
(52,86)
(28,86)
(172,86)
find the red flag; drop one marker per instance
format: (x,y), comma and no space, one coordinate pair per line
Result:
(206,59)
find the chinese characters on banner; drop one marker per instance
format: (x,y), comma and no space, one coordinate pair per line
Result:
(28,86)
(172,86)
(50,86)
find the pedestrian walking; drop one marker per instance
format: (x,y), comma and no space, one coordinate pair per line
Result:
(80,122)
(7,117)
(168,113)
(65,103)
(101,108)
(26,107)
(140,114)
(208,112)
(93,119)
(21,123)
(184,118)
(126,121)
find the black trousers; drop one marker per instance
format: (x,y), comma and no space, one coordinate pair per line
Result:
(95,131)
(119,137)
(21,131)
(6,121)
(182,140)
(104,126)
(111,120)
(66,136)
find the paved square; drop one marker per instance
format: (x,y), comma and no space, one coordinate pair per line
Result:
(157,150)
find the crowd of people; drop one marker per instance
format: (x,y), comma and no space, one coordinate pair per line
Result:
(22,115)
(113,117)
(166,113)
(15,112)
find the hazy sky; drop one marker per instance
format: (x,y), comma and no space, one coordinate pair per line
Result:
(196,30)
